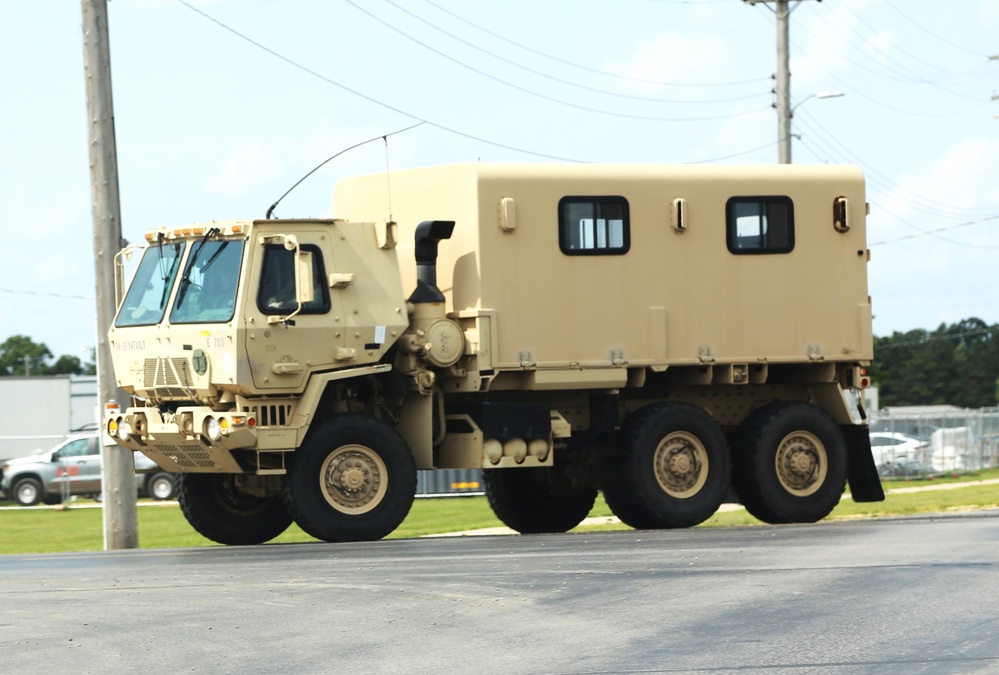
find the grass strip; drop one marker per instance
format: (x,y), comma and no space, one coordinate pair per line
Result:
(45,530)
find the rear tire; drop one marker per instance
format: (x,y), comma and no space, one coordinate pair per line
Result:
(28,491)
(523,500)
(790,463)
(219,510)
(354,479)
(674,471)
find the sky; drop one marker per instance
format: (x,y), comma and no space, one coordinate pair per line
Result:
(222,105)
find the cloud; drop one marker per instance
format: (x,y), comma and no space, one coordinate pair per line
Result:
(947,276)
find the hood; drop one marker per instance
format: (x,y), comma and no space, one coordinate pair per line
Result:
(31,459)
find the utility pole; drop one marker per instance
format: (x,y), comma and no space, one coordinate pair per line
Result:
(121,529)
(782,88)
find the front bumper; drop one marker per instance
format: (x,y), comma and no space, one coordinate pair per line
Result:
(192,439)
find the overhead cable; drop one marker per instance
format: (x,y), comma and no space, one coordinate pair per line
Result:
(539,73)
(552,99)
(595,70)
(370,99)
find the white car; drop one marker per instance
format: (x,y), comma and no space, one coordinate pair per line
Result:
(897,453)
(74,468)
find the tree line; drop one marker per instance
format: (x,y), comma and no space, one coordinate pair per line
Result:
(956,364)
(20,355)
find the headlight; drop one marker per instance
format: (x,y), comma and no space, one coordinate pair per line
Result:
(212,428)
(118,428)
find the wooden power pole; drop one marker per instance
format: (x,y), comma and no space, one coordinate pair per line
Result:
(121,529)
(782,79)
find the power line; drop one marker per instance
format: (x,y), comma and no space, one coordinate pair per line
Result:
(595,70)
(938,230)
(933,338)
(15,291)
(552,99)
(931,33)
(909,54)
(919,202)
(736,154)
(370,99)
(543,74)
(849,87)
(400,111)
(903,72)
(921,232)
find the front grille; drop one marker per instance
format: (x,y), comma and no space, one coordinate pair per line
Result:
(270,415)
(164,372)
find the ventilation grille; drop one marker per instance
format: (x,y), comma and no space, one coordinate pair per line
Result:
(167,373)
(271,415)
(189,456)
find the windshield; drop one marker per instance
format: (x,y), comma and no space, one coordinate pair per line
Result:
(147,296)
(207,293)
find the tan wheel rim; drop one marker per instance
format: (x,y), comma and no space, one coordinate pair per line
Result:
(802,463)
(681,465)
(353,479)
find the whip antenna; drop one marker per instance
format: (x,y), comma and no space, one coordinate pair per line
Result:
(270,211)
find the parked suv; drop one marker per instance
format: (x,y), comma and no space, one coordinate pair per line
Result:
(74,468)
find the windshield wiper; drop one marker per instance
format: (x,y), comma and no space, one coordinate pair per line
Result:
(185,281)
(164,273)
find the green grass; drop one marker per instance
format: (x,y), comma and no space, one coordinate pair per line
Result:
(45,530)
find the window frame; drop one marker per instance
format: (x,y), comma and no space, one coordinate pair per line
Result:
(144,275)
(731,224)
(319,282)
(176,315)
(596,201)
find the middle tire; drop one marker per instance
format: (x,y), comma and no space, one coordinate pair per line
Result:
(524,501)
(674,470)
(354,479)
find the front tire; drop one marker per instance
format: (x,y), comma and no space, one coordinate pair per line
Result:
(28,491)
(790,463)
(354,479)
(219,510)
(524,501)
(674,471)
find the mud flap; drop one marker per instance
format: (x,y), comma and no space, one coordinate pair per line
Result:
(865,483)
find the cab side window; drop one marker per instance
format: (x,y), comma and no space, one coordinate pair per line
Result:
(593,226)
(78,448)
(757,225)
(277,282)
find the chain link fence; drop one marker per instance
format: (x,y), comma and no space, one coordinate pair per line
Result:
(934,441)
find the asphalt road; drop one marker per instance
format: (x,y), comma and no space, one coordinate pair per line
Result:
(916,595)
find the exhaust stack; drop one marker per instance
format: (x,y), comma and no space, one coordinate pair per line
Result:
(428,234)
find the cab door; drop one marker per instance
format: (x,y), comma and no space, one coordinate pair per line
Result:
(281,355)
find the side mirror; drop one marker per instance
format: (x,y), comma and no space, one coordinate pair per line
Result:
(304,290)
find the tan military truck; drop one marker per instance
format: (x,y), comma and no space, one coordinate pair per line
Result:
(659,333)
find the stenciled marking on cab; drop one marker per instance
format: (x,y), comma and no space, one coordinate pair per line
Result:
(129,345)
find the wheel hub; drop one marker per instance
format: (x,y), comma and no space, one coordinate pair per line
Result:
(353,479)
(681,465)
(801,463)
